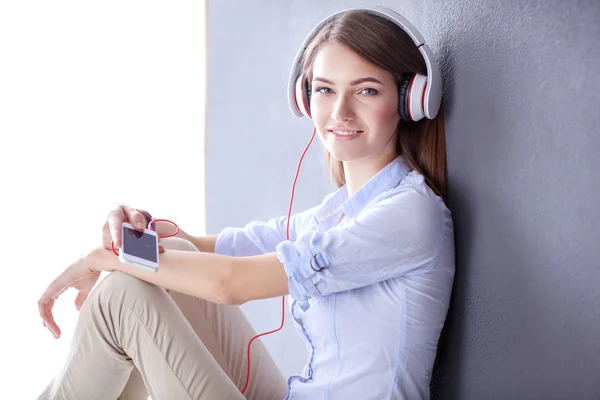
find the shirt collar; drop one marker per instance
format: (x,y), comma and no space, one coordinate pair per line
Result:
(384,180)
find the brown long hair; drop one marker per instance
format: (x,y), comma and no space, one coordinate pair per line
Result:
(381,42)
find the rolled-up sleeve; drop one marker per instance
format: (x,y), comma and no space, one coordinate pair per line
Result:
(398,236)
(259,237)
(254,239)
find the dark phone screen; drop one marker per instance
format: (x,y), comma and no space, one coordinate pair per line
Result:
(139,244)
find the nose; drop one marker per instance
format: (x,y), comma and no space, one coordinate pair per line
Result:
(342,109)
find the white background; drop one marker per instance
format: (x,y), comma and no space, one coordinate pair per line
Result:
(100,102)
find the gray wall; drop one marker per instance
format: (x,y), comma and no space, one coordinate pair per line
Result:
(521,84)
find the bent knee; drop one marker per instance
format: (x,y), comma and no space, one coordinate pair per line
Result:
(177,243)
(119,286)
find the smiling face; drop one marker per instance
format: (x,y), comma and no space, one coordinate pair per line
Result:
(354,106)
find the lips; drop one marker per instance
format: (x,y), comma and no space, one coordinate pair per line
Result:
(344,131)
(344,134)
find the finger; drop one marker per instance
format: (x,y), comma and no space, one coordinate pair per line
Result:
(45,310)
(136,218)
(46,314)
(115,222)
(161,249)
(106,236)
(80,299)
(46,302)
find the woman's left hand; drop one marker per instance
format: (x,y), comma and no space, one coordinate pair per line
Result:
(81,275)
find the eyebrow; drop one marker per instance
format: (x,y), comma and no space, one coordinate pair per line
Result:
(355,82)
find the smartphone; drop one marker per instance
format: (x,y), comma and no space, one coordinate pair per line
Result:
(139,249)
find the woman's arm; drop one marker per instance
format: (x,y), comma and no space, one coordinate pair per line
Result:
(214,277)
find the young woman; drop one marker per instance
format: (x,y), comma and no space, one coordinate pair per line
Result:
(369,271)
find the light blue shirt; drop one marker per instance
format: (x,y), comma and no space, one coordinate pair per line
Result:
(370,295)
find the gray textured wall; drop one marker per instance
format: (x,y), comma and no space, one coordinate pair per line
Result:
(521,84)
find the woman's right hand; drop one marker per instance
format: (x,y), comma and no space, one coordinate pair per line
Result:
(112,229)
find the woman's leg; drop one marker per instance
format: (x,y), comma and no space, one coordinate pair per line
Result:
(127,321)
(225,332)
(135,389)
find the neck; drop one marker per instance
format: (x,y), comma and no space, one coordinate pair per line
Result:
(358,172)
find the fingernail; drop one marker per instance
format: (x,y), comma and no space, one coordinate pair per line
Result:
(140,225)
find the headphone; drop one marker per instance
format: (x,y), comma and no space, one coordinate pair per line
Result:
(419,96)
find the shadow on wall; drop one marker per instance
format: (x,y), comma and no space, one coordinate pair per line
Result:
(462,230)
(475,311)
(460,203)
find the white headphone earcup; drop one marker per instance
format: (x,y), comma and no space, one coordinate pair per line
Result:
(301,96)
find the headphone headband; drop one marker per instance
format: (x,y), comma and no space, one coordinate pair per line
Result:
(433,91)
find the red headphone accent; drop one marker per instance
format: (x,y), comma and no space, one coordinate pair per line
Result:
(412,82)
(423,98)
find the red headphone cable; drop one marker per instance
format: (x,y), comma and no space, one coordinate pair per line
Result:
(287,236)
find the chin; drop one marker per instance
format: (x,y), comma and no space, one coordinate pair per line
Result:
(362,155)
(345,156)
